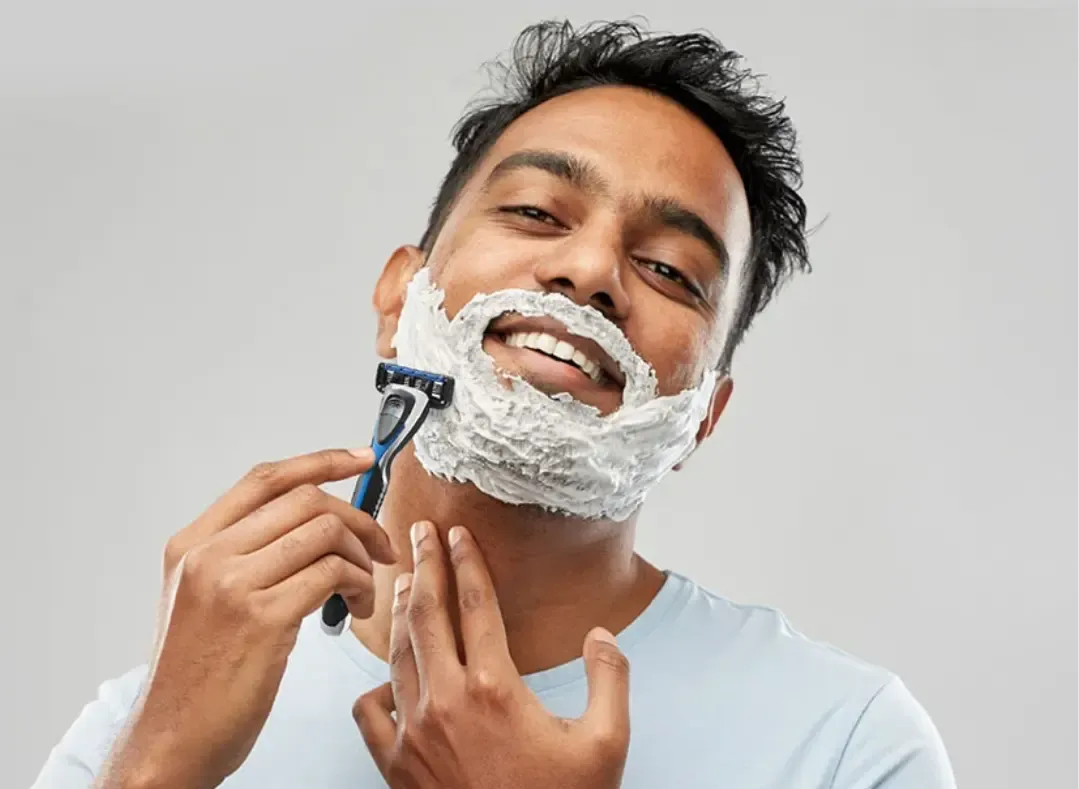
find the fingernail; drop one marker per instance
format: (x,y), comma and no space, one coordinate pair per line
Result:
(401,584)
(456,533)
(604,635)
(419,531)
(361,452)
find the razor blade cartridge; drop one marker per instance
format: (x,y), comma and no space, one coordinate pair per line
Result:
(438,388)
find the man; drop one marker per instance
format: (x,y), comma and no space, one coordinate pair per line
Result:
(597,251)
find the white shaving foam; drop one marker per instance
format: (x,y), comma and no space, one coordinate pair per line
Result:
(522,446)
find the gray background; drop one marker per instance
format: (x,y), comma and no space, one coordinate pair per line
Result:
(194,205)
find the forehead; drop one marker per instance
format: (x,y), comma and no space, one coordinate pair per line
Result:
(642,143)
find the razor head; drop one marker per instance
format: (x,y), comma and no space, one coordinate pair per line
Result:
(438,388)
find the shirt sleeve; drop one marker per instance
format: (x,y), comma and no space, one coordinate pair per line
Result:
(77,759)
(894,745)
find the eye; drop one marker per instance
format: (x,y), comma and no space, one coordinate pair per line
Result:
(673,274)
(531,212)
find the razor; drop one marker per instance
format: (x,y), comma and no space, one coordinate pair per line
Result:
(408,396)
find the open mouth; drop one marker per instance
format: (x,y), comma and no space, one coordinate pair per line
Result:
(559,350)
(550,338)
(545,353)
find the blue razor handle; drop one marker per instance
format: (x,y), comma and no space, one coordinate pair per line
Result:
(407,398)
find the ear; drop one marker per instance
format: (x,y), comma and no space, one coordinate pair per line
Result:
(389,296)
(720,396)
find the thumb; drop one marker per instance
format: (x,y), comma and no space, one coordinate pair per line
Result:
(373,713)
(608,685)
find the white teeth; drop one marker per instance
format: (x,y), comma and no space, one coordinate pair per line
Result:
(563,350)
(590,368)
(560,349)
(546,343)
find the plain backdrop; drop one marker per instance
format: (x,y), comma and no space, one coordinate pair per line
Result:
(195,201)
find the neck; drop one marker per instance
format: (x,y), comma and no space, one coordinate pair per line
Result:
(555,577)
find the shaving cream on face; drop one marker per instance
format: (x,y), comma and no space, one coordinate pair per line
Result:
(522,446)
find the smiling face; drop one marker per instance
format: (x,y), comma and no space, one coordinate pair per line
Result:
(617,198)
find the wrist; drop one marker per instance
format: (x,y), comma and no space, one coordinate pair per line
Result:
(147,775)
(140,762)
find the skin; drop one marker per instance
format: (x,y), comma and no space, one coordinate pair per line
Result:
(520,590)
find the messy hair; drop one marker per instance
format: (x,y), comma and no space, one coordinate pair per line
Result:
(553,58)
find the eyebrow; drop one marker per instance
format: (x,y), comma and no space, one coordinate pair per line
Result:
(584,176)
(572,169)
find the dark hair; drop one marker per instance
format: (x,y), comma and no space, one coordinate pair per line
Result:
(552,58)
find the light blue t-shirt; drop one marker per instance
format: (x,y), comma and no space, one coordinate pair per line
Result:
(723,696)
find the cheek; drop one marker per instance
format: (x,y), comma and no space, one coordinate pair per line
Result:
(676,351)
(476,263)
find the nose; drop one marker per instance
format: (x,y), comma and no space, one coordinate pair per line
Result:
(590,275)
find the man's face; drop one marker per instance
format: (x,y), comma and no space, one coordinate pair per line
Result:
(616,198)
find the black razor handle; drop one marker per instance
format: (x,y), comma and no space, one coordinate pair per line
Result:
(408,397)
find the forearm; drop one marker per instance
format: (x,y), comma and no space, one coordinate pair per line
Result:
(145,757)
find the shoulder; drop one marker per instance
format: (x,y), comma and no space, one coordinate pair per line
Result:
(761,641)
(880,735)
(894,745)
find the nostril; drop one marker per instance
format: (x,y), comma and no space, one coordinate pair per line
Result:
(603,301)
(600,299)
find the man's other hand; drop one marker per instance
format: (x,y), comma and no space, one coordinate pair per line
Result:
(465,719)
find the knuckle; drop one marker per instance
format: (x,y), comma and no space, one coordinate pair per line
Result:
(259,617)
(485,687)
(362,708)
(400,652)
(333,567)
(400,605)
(263,473)
(308,493)
(290,542)
(228,588)
(361,606)
(330,459)
(473,599)
(483,681)
(195,563)
(427,549)
(262,512)
(332,529)
(460,557)
(433,711)
(422,606)
(613,659)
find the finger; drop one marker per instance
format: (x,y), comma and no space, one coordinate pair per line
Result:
(607,714)
(373,713)
(482,629)
(291,552)
(304,592)
(403,676)
(429,626)
(267,481)
(275,519)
